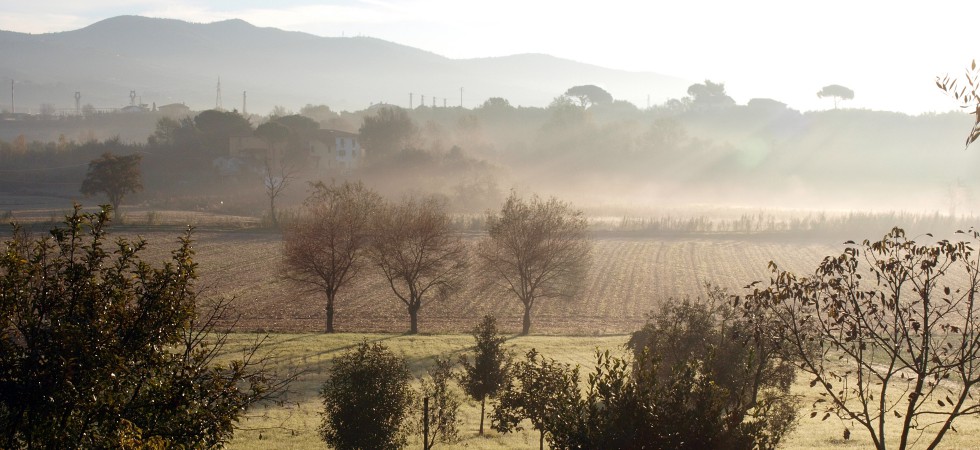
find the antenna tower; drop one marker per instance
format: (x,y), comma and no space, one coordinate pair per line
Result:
(217,99)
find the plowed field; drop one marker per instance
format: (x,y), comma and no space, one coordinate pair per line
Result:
(629,278)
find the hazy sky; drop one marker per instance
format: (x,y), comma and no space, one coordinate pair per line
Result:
(888,52)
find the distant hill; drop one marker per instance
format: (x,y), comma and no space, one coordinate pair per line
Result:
(167,61)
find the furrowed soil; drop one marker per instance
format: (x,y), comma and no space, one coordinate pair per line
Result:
(629,278)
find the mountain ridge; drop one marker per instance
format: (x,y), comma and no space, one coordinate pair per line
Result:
(170,60)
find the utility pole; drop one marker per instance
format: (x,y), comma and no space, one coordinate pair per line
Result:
(444,102)
(460,97)
(78,103)
(411,98)
(433,101)
(11,96)
(422,103)
(244,100)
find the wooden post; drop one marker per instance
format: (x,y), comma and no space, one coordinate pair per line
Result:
(425,424)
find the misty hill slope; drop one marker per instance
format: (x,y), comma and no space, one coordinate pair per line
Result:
(168,60)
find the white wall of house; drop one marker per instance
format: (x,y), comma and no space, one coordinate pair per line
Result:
(337,150)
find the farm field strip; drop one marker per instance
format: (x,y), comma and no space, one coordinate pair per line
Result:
(628,279)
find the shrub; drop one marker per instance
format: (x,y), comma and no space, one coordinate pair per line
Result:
(366,399)
(100,349)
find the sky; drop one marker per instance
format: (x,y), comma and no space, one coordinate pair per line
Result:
(888,52)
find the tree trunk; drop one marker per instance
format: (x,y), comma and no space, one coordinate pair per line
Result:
(272,210)
(483,404)
(527,321)
(413,314)
(541,441)
(329,315)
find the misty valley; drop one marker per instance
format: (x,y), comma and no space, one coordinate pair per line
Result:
(546,265)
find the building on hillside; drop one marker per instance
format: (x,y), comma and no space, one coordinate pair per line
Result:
(325,150)
(175,110)
(335,149)
(134,109)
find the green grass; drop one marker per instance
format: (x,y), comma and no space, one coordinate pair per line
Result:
(293,423)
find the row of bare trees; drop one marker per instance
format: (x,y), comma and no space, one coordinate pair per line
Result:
(534,248)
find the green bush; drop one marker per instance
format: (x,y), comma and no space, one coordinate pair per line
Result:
(366,400)
(98,347)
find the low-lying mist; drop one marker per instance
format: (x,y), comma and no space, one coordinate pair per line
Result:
(708,161)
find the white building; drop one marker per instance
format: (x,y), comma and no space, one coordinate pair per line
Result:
(336,149)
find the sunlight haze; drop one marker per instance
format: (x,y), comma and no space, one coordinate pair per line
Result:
(888,52)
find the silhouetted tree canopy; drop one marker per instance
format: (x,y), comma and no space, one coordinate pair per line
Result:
(589,95)
(115,176)
(272,132)
(387,132)
(836,91)
(215,128)
(298,124)
(319,113)
(709,95)
(496,103)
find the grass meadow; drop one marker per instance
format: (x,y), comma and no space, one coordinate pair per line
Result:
(292,424)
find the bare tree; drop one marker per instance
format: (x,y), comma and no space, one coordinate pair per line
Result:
(536,249)
(890,332)
(277,173)
(325,249)
(418,253)
(278,168)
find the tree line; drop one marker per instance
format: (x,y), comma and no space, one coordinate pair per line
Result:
(691,146)
(534,249)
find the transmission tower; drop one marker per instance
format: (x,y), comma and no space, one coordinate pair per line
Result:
(217,99)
